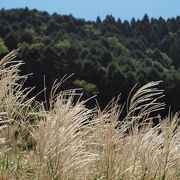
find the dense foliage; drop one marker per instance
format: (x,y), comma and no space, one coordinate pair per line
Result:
(107,56)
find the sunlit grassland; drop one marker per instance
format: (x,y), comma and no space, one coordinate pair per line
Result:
(69,141)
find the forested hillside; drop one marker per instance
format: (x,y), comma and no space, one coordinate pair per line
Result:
(107,56)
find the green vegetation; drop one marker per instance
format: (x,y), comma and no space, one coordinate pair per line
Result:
(70,141)
(107,57)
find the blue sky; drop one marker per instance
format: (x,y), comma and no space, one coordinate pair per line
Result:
(90,9)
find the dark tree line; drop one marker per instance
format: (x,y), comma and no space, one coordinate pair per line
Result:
(107,56)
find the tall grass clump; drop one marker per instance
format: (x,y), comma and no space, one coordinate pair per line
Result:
(62,139)
(61,146)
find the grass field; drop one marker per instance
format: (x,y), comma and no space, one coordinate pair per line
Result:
(70,141)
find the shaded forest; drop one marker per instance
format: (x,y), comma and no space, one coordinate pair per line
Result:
(107,56)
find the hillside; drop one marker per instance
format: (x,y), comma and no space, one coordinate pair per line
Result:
(107,56)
